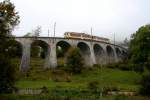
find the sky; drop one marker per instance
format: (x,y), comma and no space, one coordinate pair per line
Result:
(108,18)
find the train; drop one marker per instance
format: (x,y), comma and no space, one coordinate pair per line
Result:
(84,36)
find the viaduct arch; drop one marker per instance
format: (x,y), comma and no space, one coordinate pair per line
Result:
(93,52)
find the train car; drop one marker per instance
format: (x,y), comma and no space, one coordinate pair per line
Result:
(84,36)
(73,35)
(102,39)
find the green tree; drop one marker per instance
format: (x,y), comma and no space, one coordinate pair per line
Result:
(126,42)
(28,34)
(145,84)
(8,20)
(74,61)
(140,45)
(37,31)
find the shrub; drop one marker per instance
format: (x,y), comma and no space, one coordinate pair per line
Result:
(145,84)
(74,63)
(44,90)
(60,76)
(107,89)
(93,85)
(60,62)
(137,67)
(7,75)
(97,65)
(122,97)
(112,66)
(124,67)
(147,64)
(121,66)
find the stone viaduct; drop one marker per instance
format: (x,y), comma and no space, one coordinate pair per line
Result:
(93,52)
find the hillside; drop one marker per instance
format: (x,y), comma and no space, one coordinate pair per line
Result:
(106,77)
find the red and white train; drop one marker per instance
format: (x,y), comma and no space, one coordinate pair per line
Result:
(84,36)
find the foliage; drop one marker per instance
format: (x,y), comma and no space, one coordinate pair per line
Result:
(122,97)
(121,66)
(137,67)
(60,62)
(28,34)
(14,49)
(127,67)
(69,95)
(60,52)
(7,75)
(126,42)
(140,45)
(93,85)
(145,84)
(74,62)
(8,20)
(147,64)
(35,51)
(44,89)
(60,76)
(37,31)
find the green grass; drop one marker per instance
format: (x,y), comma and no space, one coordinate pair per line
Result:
(56,97)
(107,77)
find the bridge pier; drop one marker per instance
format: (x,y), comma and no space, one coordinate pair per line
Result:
(93,61)
(53,57)
(115,55)
(47,59)
(25,61)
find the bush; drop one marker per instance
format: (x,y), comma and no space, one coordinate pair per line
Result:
(145,84)
(44,90)
(124,67)
(122,97)
(7,75)
(74,62)
(112,66)
(60,76)
(147,64)
(97,65)
(137,67)
(93,85)
(60,62)
(107,89)
(121,66)
(128,66)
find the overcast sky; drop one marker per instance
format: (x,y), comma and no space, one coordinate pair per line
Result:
(106,17)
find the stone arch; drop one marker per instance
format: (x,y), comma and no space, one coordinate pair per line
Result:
(63,45)
(61,50)
(124,54)
(85,52)
(110,51)
(17,51)
(99,53)
(110,54)
(41,50)
(118,52)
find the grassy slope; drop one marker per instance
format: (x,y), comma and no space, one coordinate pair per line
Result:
(125,80)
